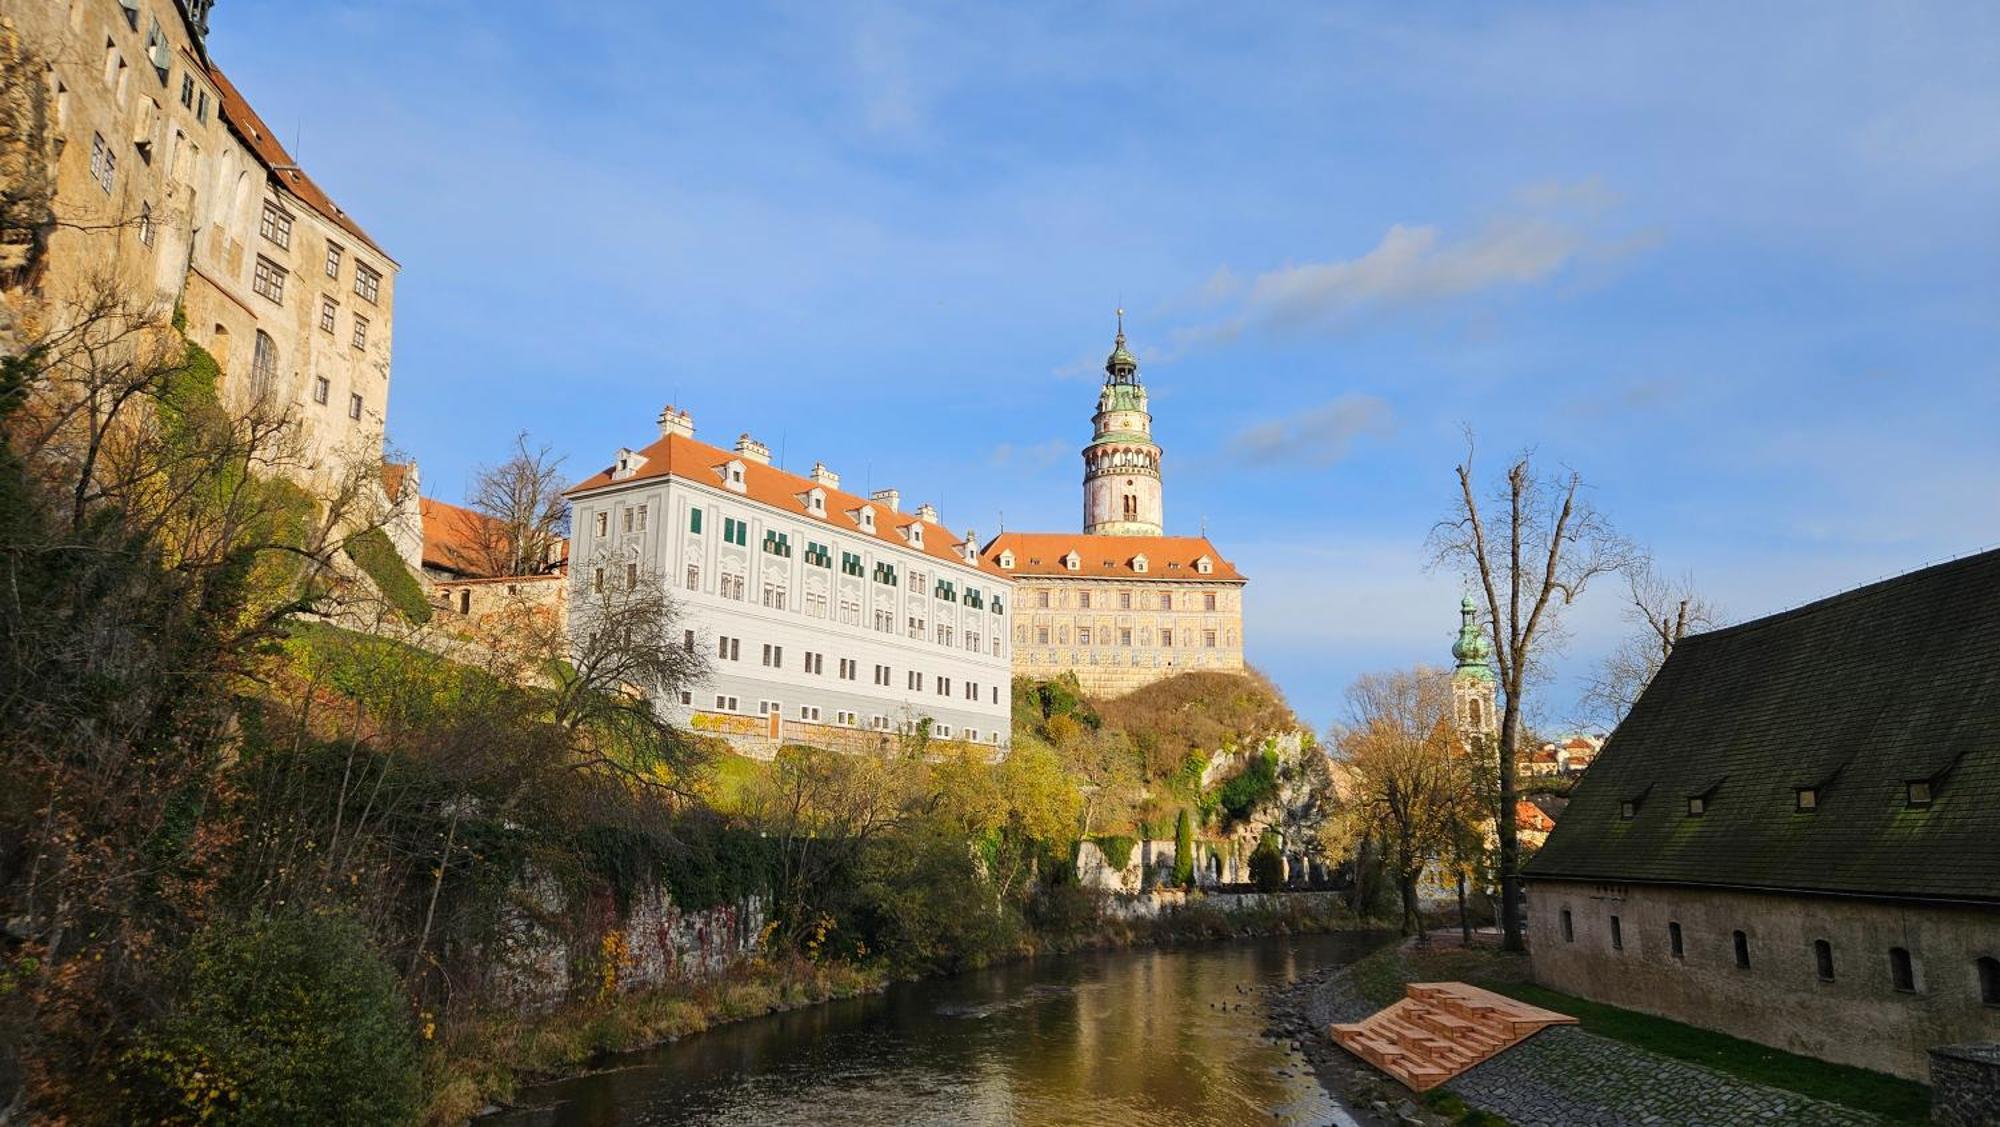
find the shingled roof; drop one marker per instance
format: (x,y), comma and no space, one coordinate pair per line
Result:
(1856,697)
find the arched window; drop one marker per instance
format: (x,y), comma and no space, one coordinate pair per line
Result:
(263,366)
(1131,507)
(1674,940)
(1472,712)
(1742,951)
(465,600)
(1823,959)
(1989,979)
(1902,969)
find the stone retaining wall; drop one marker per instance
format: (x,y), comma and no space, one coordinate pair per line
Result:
(1965,1085)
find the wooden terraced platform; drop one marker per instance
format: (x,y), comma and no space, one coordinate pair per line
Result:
(1440,1029)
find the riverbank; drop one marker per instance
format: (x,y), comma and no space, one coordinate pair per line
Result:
(482,1067)
(1615,1067)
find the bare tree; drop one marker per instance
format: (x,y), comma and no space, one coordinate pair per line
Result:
(1414,787)
(1531,557)
(522,499)
(1664,611)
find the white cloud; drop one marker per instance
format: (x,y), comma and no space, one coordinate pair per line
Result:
(1320,436)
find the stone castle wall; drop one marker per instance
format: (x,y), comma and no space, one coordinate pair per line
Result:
(1051,640)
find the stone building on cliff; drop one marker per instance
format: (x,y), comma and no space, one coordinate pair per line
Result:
(1121,604)
(1794,837)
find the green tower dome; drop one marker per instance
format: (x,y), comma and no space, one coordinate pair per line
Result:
(1121,367)
(1471,649)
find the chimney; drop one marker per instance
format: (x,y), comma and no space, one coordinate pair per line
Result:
(822,476)
(889,498)
(676,422)
(927,512)
(751,450)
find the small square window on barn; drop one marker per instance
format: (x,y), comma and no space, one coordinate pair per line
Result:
(1917,794)
(1807,799)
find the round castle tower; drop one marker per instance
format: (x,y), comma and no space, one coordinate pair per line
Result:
(1121,466)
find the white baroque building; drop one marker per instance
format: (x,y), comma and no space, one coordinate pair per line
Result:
(829,618)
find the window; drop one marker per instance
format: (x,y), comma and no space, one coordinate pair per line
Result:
(808,712)
(187,90)
(885,573)
(687,640)
(915,682)
(263,365)
(1568,927)
(1124,637)
(1167,639)
(1208,600)
(882,675)
(774,596)
(1628,809)
(735,532)
(1917,794)
(729,649)
(146,224)
(944,686)
(276,225)
(1989,979)
(817,554)
(1083,635)
(354,406)
(631,577)
(694,521)
(845,719)
(778,544)
(367,281)
(597,582)
(1042,599)
(1697,806)
(268,280)
(360,331)
(725,704)
(322,387)
(333,253)
(850,669)
(103,163)
(1902,970)
(694,577)
(327,308)
(1742,943)
(1124,600)
(1807,799)
(1617,935)
(1674,940)
(850,564)
(1208,639)
(1823,959)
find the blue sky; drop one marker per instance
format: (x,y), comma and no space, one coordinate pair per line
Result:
(1739,265)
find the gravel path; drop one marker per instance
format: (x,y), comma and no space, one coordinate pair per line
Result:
(1560,1077)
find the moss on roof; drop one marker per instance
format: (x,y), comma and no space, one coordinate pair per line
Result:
(1856,696)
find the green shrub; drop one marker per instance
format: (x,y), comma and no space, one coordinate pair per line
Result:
(1256,784)
(376,556)
(1117,849)
(290,1019)
(1267,864)
(1184,851)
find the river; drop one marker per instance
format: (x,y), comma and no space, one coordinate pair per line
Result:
(1168,1036)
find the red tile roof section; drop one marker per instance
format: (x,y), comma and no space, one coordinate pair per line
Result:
(1042,553)
(393,476)
(452,537)
(683,457)
(237,113)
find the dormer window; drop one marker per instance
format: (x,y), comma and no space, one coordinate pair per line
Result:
(1806,799)
(1073,561)
(1917,794)
(816,502)
(1697,805)
(1204,565)
(1628,809)
(732,475)
(867,519)
(1139,564)
(1007,560)
(626,464)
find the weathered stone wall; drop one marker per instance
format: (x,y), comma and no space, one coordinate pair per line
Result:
(1150,905)
(1859,1017)
(1965,1085)
(548,953)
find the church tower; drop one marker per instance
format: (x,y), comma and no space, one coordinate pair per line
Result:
(1121,466)
(1472,688)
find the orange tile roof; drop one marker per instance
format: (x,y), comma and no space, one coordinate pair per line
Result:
(1042,553)
(1528,817)
(393,476)
(682,457)
(237,113)
(453,537)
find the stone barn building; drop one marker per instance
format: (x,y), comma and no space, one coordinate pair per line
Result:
(1795,836)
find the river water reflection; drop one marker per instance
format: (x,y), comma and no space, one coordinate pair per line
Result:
(1134,1037)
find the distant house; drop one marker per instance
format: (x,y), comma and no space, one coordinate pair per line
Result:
(1795,835)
